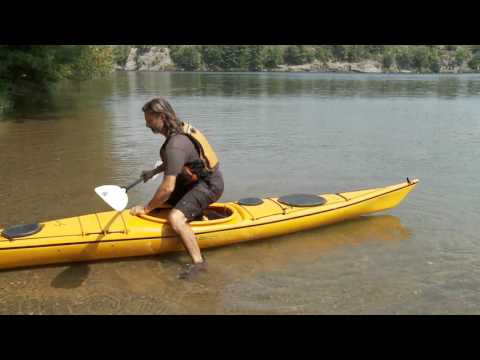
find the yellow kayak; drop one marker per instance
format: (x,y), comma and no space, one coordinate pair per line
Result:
(114,234)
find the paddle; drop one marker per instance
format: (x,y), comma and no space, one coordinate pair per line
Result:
(115,196)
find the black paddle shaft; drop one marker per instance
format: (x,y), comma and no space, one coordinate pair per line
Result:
(133,184)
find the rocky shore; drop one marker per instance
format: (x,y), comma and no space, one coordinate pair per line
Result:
(159,59)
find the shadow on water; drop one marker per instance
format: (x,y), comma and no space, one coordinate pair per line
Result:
(72,277)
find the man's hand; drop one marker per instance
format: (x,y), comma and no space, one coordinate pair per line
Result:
(138,210)
(148,174)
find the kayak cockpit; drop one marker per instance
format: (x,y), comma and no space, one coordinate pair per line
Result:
(215,213)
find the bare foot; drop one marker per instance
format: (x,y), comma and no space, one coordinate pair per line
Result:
(192,270)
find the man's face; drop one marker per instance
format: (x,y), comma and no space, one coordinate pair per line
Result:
(154,122)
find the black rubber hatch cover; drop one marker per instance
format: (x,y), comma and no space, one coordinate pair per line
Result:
(302,200)
(18,231)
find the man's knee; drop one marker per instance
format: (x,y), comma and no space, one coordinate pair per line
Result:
(176,218)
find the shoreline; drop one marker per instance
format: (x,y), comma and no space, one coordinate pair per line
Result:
(296,72)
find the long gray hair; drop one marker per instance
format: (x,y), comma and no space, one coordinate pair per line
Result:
(162,106)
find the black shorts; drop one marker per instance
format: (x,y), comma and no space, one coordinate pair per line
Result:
(193,200)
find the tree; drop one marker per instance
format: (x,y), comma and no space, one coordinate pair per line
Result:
(36,64)
(323,53)
(44,65)
(292,55)
(256,57)
(212,56)
(273,57)
(404,58)
(339,52)
(388,59)
(92,61)
(434,60)
(121,53)
(474,63)
(298,54)
(420,58)
(186,57)
(235,57)
(460,56)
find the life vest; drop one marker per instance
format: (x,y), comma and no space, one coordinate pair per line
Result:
(205,150)
(208,162)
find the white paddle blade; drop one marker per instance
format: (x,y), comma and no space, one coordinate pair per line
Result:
(115,196)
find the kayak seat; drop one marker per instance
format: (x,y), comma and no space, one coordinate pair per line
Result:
(302,200)
(253,201)
(214,213)
(18,231)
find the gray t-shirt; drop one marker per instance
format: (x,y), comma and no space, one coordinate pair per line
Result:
(178,152)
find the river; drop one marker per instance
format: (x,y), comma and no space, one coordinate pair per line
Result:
(275,134)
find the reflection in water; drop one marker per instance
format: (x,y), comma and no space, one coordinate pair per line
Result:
(339,85)
(310,246)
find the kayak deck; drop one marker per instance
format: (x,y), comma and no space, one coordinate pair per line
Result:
(118,234)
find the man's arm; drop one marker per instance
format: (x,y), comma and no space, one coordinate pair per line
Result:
(162,194)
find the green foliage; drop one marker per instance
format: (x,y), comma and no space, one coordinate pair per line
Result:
(186,57)
(388,59)
(235,57)
(461,55)
(323,53)
(92,61)
(256,57)
(404,58)
(292,55)
(120,54)
(36,64)
(420,59)
(298,55)
(340,52)
(212,56)
(434,61)
(273,57)
(474,63)
(451,47)
(355,53)
(43,65)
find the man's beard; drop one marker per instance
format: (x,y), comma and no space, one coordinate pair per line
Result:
(155,131)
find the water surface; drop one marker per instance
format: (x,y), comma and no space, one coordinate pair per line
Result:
(275,134)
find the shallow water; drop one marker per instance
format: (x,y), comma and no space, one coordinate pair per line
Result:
(275,134)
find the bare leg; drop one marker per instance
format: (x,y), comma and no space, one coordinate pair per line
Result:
(179,224)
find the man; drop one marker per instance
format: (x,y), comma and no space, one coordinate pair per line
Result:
(192,179)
